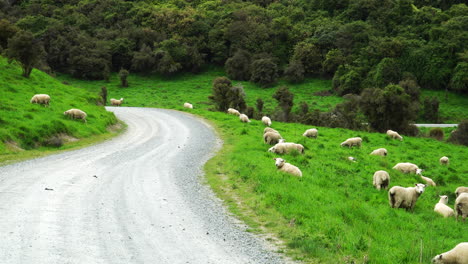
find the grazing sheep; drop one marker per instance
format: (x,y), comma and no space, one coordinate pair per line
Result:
(355,141)
(40,99)
(429,181)
(282,148)
(461,190)
(76,114)
(233,111)
(116,102)
(188,105)
(271,138)
(313,132)
(400,197)
(394,135)
(353,159)
(458,255)
(282,165)
(461,206)
(269,129)
(244,118)
(442,208)
(406,167)
(379,152)
(266,120)
(381,179)
(444,160)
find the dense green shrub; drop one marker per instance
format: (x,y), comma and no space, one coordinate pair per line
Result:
(123,74)
(460,135)
(431,109)
(294,72)
(285,101)
(26,50)
(436,133)
(264,72)
(238,66)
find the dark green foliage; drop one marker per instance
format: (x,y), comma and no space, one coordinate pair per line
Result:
(459,81)
(144,60)
(264,72)
(123,74)
(7,30)
(236,98)
(250,111)
(26,50)
(411,88)
(225,96)
(259,104)
(294,72)
(460,135)
(388,71)
(103,95)
(310,57)
(285,101)
(238,66)
(436,133)
(333,60)
(431,109)
(347,80)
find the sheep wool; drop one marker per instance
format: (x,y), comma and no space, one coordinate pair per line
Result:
(381,179)
(40,99)
(461,190)
(442,208)
(379,152)
(394,135)
(406,167)
(233,111)
(269,129)
(271,138)
(350,142)
(188,105)
(76,114)
(457,255)
(400,197)
(282,165)
(266,120)
(244,118)
(116,102)
(286,147)
(313,133)
(444,160)
(461,206)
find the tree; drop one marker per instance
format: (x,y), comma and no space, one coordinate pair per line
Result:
(431,109)
(347,80)
(123,74)
(144,60)
(294,73)
(238,66)
(285,100)
(310,57)
(220,94)
(28,51)
(7,30)
(386,72)
(333,60)
(236,97)
(264,72)
(459,80)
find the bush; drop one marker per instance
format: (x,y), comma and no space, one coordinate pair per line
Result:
(103,95)
(460,135)
(264,72)
(238,66)
(294,73)
(431,109)
(220,96)
(285,101)
(123,74)
(259,105)
(411,130)
(436,133)
(250,111)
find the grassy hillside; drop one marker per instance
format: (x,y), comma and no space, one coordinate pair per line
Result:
(26,126)
(333,214)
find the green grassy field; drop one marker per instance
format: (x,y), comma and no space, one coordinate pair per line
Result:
(332,214)
(26,126)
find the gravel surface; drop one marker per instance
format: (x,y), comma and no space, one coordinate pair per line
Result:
(138,198)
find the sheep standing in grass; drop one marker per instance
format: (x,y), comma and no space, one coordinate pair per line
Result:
(381,179)
(266,120)
(282,165)
(353,159)
(282,148)
(444,160)
(271,138)
(461,190)
(116,102)
(461,206)
(442,208)
(394,135)
(233,111)
(188,105)
(406,167)
(379,152)
(269,129)
(458,255)
(76,114)
(244,118)
(429,181)
(400,197)
(313,133)
(40,99)
(350,142)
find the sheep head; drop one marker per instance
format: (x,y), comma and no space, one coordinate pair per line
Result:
(420,187)
(279,162)
(272,149)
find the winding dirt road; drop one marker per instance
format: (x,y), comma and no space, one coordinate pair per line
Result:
(135,199)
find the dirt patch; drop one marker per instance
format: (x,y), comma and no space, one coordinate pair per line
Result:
(67,138)
(13,146)
(115,127)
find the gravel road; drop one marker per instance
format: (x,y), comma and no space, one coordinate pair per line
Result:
(138,198)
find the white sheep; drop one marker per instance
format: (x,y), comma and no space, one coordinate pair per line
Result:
(286,147)
(188,105)
(406,167)
(313,132)
(461,206)
(266,120)
(269,129)
(233,111)
(442,208)
(381,179)
(116,102)
(353,159)
(429,181)
(461,190)
(379,152)
(40,99)
(76,114)
(444,160)
(355,141)
(282,165)
(394,135)
(400,197)
(244,118)
(271,138)
(457,255)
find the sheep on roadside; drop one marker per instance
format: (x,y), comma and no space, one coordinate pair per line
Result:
(282,148)
(400,197)
(457,255)
(313,132)
(271,138)
(406,167)
(269,129)
(381,179)
(282,165)
(233,111)
(461,190)
(379,152)
(40,99)
(442,208)
(244,118)
(461,206)
(394,135)
(188,105)
(116,102)
(444,160)
(266,120)
(429,181)
(355,141)
(76,114)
